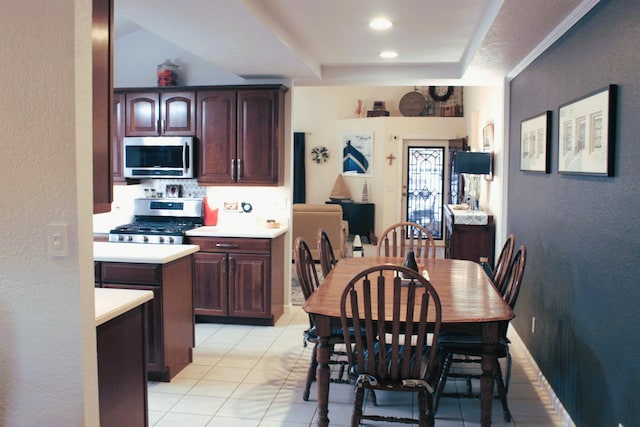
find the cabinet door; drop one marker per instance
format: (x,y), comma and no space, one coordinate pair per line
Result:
(249,286)
(177,113)
(143,112)
(210,284)
(153,324)
(216,132)
(102,89)
(259,136)
(117,170)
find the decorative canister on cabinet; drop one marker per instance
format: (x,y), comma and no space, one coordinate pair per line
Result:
(167,73)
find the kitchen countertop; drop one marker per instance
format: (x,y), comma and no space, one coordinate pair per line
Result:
(140,252)
(468,216)
(237,231)
(111,303)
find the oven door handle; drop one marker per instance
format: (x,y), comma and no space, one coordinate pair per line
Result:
(226,245)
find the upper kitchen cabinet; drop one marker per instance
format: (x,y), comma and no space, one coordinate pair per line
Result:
(156,113)
(241,133)
(102,46)
(117,135)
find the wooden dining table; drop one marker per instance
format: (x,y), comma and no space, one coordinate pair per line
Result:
(470,303)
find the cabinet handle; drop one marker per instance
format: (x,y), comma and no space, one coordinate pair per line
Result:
(226,245)
(164,125)
(233,168)
(240,171)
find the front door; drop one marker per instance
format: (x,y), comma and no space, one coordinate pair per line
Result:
(424,183)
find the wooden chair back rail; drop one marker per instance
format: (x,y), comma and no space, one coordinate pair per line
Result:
(325,252)
(395,243)
(365,309)
(503,263)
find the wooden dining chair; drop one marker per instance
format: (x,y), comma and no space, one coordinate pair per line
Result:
(325,252)
(309,282)
(402,237)
(388,348)
(499,273)
(466,349)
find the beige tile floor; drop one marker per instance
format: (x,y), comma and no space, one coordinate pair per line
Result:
(250,376)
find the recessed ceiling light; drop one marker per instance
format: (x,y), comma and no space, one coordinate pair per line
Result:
(388,54)
(380,24)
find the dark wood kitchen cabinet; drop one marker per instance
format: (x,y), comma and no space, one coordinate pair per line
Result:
(238,280)
(470,242)
(155,113)
(169,318)
(117,135)
(102,89)
(122,375)
(241,134)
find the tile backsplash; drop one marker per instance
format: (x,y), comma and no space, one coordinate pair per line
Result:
(267,202)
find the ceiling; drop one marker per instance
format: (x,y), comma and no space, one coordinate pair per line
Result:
(329,42)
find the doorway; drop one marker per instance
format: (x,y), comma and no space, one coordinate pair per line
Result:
(424,180)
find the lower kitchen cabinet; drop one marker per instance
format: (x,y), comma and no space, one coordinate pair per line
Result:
(238,280)
(469,241)
(122,379)
(169,317)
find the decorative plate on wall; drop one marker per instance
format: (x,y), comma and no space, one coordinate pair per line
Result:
(319,154)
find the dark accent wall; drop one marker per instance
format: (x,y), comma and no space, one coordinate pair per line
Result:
(582,280)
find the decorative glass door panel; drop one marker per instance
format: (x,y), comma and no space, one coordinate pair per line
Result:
(425,187)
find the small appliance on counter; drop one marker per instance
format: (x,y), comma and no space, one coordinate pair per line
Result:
(160,221)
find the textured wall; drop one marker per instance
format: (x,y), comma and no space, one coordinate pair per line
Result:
(47,320)
(581,281)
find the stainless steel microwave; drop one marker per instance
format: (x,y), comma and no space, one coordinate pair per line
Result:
(158,157)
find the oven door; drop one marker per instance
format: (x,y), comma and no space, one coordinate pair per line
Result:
(158,157)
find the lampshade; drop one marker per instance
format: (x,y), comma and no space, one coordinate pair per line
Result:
(470,162)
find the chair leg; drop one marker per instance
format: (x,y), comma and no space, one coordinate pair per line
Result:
(358,401)
(372,397)
(508,377)
(311,373)
(442,381)
(502,393)
(425,409)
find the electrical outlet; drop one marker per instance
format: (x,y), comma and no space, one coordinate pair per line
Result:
(533,325)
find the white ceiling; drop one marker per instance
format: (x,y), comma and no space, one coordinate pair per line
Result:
(328,42)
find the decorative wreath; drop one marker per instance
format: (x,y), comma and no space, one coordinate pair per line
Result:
(319,154)
(441,98)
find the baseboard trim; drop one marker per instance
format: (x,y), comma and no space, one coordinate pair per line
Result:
(542,380)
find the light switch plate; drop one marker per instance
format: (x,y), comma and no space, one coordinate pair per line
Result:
(58,240)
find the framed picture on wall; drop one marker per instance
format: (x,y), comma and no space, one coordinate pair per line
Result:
(535,142)
(357,153)
(586,136)
(487,147)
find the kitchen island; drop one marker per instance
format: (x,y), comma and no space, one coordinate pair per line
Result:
(167,271)
(122,372)
(238,273)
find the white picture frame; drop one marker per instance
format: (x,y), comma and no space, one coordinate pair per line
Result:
(357,153)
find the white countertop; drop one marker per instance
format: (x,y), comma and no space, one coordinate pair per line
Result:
(468,216)
(237,231)
(140,252)
(111,303)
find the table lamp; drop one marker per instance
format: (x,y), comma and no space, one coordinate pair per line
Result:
(472,165)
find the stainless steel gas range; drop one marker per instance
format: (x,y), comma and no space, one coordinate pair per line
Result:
(160,221)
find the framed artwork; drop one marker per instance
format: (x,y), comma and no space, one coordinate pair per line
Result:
(487,147)
(586,137)
(535,143)
(357,153)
